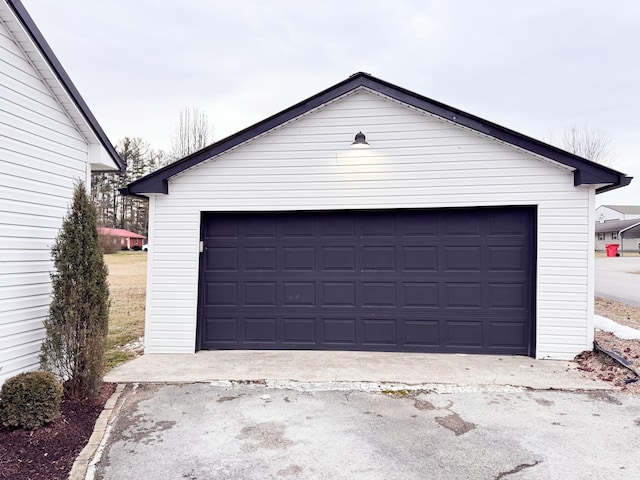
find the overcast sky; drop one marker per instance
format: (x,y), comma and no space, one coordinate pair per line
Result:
(533,66)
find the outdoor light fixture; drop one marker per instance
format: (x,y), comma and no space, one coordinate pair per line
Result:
(360,141)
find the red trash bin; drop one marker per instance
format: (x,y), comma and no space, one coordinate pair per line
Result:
(612,249)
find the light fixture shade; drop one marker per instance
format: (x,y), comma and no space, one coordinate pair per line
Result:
(360,141)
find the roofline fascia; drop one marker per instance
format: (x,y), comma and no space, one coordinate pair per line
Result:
(620,232)
(586,171)
(38,39)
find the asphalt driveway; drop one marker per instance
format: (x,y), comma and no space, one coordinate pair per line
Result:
(616,280)
(250,431)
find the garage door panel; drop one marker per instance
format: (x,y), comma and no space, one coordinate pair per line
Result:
(299,294)
(220,331)
(376,225)
(339,226)
(379,258)
(258,227)
(259,330)
(421,333)
(461,223)
(338,258)
(260,294)
(507,296)
(462,295)
(226,228)
(338,294)
(507,223)
(221,294)
(465,334)
(263,259)
(299,331)
(466,258)
(339,331)
(299,259)
(411,226)
(419,294)
(411,280)
(502,258)
(378,294)
(297,227)
(223,259)
(507,334)
(379,332)
(418,258)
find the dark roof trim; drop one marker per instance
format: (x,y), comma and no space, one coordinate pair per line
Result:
(38,39)
(630,227)
(586,172)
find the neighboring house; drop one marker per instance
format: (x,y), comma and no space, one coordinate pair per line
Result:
(625,233)
(605,213)
(49,140)
(447,234)
(123,238)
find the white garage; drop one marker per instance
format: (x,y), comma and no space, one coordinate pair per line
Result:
(369,217)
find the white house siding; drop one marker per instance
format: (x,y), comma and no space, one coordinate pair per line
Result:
(42,154)
(600,245)
(415,161)
(629,244)
(605,214)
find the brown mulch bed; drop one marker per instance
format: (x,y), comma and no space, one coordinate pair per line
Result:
(48,453)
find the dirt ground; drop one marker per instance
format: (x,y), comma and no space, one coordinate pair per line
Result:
(597,365)
(621,313)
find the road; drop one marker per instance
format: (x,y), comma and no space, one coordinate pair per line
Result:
(616,280)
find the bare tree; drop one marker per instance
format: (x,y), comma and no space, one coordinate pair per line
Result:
(192,133)
(586,141)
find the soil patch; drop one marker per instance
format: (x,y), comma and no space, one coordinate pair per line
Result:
(621,313)
(48,453)
(599,366)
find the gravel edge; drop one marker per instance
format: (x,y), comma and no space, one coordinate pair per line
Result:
(81,464)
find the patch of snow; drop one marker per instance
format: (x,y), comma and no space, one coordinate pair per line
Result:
(621,331)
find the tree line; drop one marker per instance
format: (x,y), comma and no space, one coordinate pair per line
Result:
(192,133)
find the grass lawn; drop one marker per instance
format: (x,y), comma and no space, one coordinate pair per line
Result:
(127,286)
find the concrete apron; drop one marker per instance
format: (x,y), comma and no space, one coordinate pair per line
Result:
(376,367)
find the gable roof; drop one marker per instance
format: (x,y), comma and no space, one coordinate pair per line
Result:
(118,232)
(58,80)
(625,209)
(586,171)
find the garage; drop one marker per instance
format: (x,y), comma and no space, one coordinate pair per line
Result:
(371,218)
(448,280)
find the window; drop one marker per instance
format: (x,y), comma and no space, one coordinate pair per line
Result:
(614,235)
(601,236)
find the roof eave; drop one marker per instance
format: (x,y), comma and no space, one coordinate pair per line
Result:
(585,171)
(622,182)
(630,227)
(39,41)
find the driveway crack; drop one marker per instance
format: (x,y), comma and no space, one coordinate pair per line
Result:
(517,469)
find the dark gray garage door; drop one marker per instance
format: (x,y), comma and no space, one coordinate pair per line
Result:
(451,280)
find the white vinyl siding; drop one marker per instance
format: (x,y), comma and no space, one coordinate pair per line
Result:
(42,154)
(415,161)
